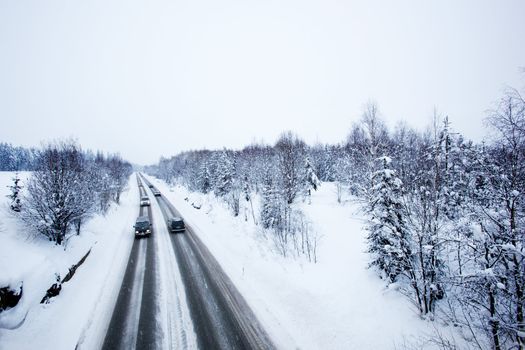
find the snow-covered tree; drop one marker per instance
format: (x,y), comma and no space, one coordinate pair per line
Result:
(291,155)
(51,203)
(310,179)
(499,246)
(271,204)
(68,186)
(15,194)
(205,178)
(224,174)
(388,240)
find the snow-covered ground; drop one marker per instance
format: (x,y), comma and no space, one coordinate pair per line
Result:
(335,304)
(84,306)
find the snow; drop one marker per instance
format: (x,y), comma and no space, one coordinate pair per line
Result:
(81,313)
(335,304)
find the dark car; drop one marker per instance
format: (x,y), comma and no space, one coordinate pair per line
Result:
(156,192)
(176,224)
(142,227)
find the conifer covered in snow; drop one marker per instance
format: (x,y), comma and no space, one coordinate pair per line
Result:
(270,204)
(204,180)
(224,174)
(388,240)
(15,195)
(311,180)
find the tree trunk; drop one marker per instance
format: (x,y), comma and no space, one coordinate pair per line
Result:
(494,324)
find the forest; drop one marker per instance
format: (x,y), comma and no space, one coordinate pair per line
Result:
(445,214)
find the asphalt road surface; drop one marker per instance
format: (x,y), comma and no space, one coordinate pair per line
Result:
(220,316)
(134,323)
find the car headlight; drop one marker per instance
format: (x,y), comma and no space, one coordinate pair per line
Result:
(148,231)
(136,231)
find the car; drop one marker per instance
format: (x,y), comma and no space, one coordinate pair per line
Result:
(156,192)
(150,185)
(142,227)
(176,224)
(144,201)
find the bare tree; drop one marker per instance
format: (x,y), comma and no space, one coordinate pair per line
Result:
(54,192)
(291,156)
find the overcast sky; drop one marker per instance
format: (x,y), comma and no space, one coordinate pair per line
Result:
(151,78)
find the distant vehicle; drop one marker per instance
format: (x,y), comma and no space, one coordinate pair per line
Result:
(144,201)
(142,227)
(156,192)
(176,224)
(150,185)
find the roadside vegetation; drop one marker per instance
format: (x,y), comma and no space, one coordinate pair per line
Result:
(66,187)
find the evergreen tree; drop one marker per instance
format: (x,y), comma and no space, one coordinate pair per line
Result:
(271,213)
(310,178)
(224,174)
(15,188)
(388,237)
(204,181)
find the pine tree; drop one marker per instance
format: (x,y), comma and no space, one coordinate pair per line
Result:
(310,178)
(15,205)
(224,175)
(387,238)
(204,181)
(271,204)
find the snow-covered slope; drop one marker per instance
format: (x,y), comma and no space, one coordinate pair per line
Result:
(335,304)
(83,308)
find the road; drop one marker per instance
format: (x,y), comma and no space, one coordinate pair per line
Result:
(134,322)
(220,317)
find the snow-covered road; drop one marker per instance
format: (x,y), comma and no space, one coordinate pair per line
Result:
(175,295)
(221,318)
(134,321)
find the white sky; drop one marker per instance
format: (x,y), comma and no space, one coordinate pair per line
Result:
(151,78)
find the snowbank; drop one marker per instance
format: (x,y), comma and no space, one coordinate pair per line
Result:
(85,302)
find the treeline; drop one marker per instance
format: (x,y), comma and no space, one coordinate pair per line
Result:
(67,186)
(279,175)
(446,215)
(16,158)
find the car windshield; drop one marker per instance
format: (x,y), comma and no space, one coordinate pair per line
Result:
(142,224)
